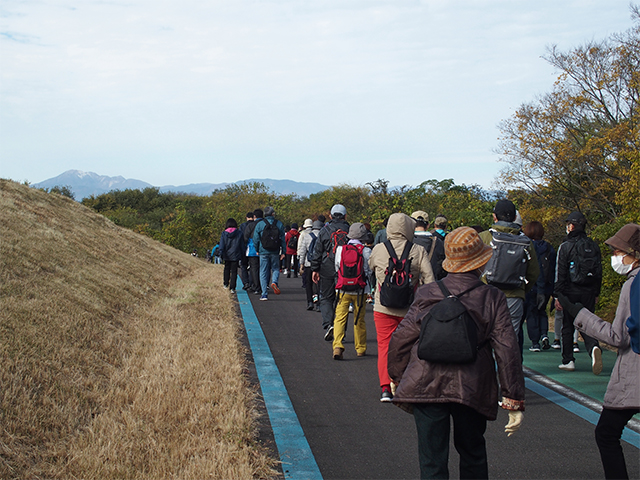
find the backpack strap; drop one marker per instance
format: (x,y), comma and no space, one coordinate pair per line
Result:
(433,247)
(392,252)
(447,293)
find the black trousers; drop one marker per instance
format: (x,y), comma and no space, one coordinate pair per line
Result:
(608,434)
(244,271)
(230,274)
(254,272)
(588,300)
(433,426)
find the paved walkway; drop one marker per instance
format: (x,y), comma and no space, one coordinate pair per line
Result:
(350,434)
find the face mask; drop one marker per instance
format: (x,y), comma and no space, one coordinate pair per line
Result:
(618,266)
(567,230)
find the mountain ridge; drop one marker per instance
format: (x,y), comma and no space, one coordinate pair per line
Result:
(84,184)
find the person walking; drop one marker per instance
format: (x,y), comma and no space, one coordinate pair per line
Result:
(291,239)
(244,262)
(307,226)
(467,393)
(579,278)
(433,243)
(323,267)
(537,299)
(231,248)
(505,236)
(268,237)
(352,292)
(622,398)
(400,230)
(305,251)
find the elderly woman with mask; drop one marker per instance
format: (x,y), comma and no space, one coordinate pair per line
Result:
(622,399)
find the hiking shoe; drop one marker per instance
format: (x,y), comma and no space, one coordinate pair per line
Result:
(232,291)
(310,306)
(328,335)
(556,344)
(337,353)
(386,395)
(274,287)
(576,348)
(596,360)
(545,343)
(263,298)
(534,348)
(226,287)
(362,354)
(569,367)
(246,286)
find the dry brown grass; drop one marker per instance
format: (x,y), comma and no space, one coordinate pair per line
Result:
(119,356)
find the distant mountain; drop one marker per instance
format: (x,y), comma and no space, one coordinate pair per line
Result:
(85,184)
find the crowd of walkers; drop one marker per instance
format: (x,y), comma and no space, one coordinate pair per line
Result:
(450,307)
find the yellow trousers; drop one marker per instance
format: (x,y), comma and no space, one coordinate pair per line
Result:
(359,326)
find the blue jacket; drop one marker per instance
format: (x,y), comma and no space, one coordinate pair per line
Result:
(257,234)
(231,244)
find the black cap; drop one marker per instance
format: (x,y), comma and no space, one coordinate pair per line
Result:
(576,218)
(505,210)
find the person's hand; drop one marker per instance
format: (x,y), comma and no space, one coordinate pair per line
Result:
(572,308)
(557,304)
(282,256)
(515,420)
(315,276)
(541,301)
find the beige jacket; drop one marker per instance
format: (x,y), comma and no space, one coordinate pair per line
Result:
(400,230)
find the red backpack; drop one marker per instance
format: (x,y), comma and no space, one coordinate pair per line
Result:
(351,277)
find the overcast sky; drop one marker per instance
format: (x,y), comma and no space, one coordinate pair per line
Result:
(327,91)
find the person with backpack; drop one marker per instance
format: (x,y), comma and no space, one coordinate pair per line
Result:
(536,300)
(399,267)
(291,239)
(352,266)
(306,246)
(513,267)
(433,243)
(253,259)
(622,398)
(268,238)
(435,392)
(231,248)
(307,226)
(323,267)
(579,278)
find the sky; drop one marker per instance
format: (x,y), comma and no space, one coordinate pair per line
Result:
(327,91)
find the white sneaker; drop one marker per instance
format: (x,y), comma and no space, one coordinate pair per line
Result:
(569,367)
(596,360)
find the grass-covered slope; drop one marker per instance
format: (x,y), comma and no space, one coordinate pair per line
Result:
(119,356)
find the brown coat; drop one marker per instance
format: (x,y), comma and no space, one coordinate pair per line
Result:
(472,384)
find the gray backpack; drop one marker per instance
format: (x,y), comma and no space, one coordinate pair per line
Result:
(507,267)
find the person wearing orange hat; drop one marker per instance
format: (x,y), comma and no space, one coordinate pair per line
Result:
(622,399)
(467,393)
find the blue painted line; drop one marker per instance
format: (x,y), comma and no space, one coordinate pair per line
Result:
(298,462)
(589,415)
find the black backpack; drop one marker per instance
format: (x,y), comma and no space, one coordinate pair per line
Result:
(507,267)
(396,290)
(585,266)
(546,266)
(312,246)
(448,333)
(293,242)
(270,236)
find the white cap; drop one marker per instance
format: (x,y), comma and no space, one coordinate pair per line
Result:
(339,209)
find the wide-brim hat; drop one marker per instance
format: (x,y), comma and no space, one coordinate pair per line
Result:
(308,223)
(627,239)
(465,251)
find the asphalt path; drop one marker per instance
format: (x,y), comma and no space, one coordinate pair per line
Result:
(353,435)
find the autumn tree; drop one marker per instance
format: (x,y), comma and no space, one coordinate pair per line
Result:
(577,147)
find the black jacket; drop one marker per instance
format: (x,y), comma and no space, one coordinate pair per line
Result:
(231,245)
(323,257)
(438,253)
(563,283)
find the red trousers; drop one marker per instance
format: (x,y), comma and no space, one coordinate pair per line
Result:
(385,326)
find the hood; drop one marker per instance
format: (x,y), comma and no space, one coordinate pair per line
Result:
(541,246)
(507,227)
(232,231)
(400,227)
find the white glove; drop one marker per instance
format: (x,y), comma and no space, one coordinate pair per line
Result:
(393,388)
(515,420)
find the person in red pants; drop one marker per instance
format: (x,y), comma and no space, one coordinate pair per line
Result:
(400,228)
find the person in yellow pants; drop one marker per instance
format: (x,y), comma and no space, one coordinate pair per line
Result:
(351,290)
